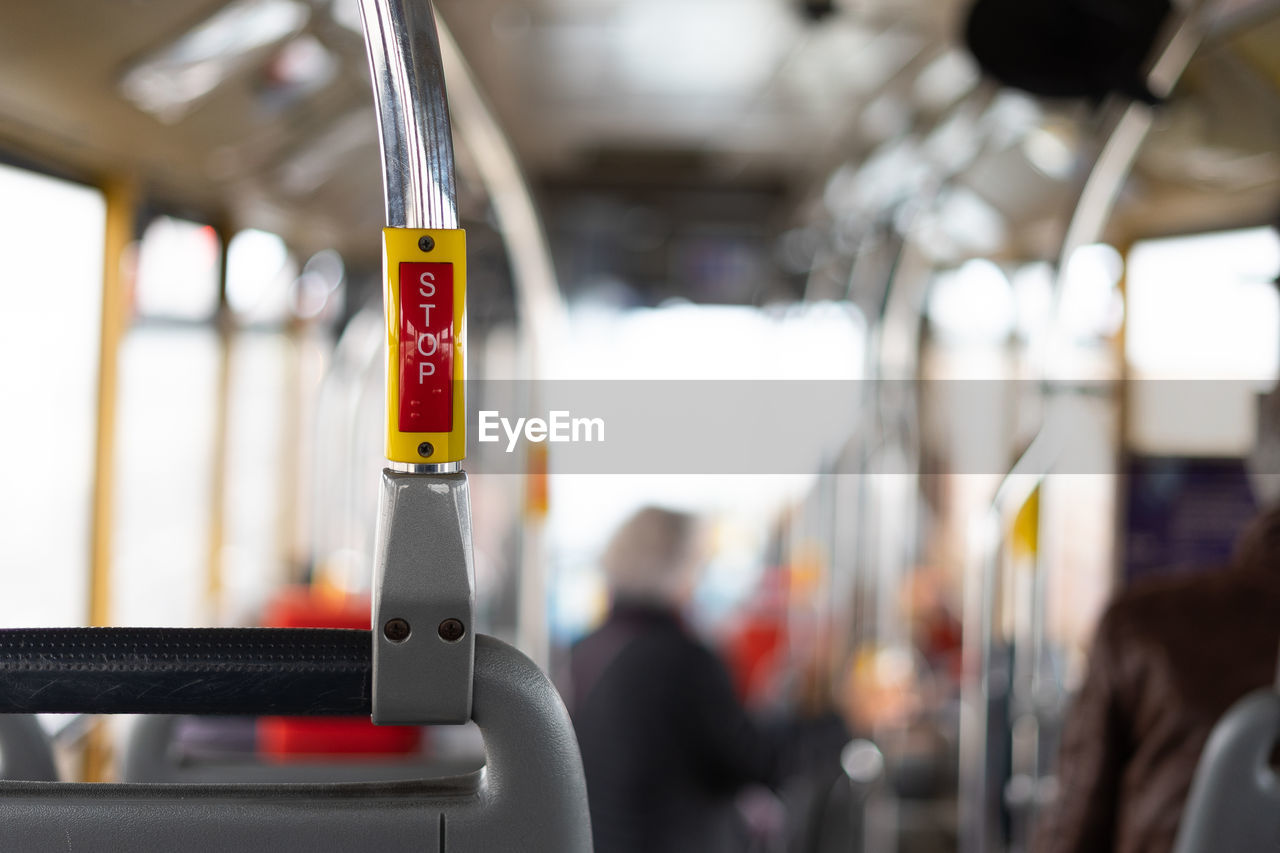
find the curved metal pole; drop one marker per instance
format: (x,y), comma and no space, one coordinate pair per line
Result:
(413,113)
(341,462)
(980,804)
(541,311)
(418,174)
(896,461)
(540,308)
(863,594)
(1124,133)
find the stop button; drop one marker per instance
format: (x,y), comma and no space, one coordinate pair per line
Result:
(426,347)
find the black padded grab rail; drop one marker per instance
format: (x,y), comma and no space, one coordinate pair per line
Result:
(291,671)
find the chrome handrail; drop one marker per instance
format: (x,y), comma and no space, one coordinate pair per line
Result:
(1124,132)
(416,134)
(413,113)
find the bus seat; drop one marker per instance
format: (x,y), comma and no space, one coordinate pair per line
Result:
(154,753)
(530,796)
(26,752)
(1234,806)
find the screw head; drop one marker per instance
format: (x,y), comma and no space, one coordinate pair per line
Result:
(396,630)
(426,243)
(425,450)
(452,630)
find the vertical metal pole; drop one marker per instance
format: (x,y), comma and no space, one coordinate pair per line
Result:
(1127,127)
(1120,435)
(540,312)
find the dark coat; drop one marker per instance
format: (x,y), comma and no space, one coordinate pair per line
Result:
(665,742)
(1169,660)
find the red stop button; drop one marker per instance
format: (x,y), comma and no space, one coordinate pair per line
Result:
(426,347)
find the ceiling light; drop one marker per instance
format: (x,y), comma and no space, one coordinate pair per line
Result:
(169,82)
(945,80)
(325,153)
(972,304)
(1051,150)
(717,47)
(301,67)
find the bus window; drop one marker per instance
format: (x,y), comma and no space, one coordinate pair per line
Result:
(178,271)
(259,272)
(49,287)
(166,427)
(1201,307)
(1205,307)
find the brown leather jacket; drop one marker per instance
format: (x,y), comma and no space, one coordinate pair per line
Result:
(1169,659)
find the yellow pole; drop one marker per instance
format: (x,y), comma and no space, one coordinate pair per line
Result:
(121,199)
(290,503)
(224,322)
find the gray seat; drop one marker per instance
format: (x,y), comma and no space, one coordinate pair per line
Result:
(1234,806)
(152,755)
(26,752)
(530,796)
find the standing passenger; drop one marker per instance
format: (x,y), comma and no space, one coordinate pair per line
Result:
(665,742)
(1170,658)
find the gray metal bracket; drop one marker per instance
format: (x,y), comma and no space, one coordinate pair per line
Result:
(424,604)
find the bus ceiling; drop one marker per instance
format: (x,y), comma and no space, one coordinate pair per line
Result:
(258,111)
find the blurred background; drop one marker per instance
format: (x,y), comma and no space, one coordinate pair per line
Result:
(766,191)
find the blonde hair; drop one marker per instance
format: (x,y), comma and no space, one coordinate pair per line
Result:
(653,556)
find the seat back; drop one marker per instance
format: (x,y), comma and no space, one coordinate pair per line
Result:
(25,750)
(530,796)
(1234,806)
